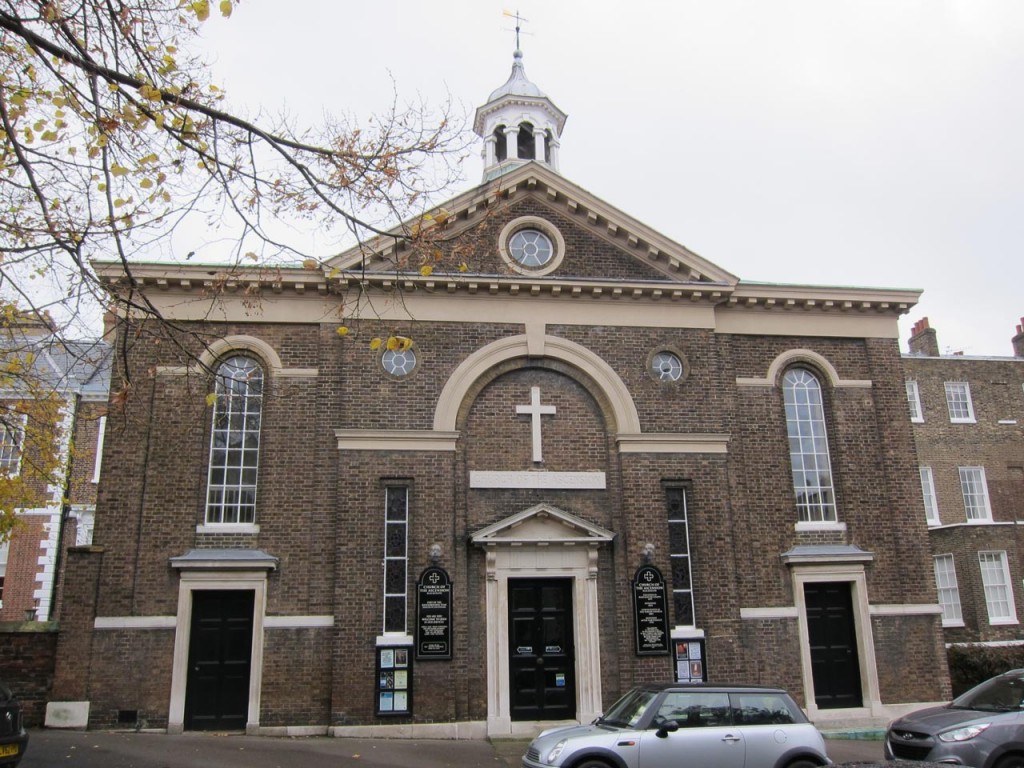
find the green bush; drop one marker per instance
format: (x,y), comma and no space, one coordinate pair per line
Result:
(973,664)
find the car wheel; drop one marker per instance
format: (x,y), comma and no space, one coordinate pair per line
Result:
(593,764)
(1011,761)
(802,764)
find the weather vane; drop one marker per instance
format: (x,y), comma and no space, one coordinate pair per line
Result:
(519,20)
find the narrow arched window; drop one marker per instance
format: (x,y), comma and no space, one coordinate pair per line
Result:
(500,145)
(235,442)
(527,145)
(547,147)
(808,447)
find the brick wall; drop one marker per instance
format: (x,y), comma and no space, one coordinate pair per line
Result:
(27,654)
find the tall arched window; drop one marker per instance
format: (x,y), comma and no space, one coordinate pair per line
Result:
(235,442)
(808,447)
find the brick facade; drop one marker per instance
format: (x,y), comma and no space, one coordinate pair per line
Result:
(994,441)
(337,430)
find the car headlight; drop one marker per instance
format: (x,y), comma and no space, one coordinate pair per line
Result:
(556,751)
(966,733)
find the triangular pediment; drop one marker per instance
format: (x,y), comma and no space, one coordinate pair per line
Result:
(658,258)
(542,523)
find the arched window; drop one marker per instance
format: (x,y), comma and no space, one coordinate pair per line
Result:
(547,147)
(808,447)
(527,146)
(500,147)
(235,442)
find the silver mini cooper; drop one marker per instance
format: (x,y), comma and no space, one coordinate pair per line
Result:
(666,725)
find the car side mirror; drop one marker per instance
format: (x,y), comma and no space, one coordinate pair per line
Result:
(666,727)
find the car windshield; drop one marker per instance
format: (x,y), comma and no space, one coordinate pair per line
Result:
(1000,694)
(627,711)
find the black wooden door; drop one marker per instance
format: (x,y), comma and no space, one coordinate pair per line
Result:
(833,638)
(542,667)
(219,660)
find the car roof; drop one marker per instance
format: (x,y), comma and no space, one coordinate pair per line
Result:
(717,687)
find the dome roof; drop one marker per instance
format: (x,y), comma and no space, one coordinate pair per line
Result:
(518,84)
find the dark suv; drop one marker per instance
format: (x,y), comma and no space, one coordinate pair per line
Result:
(13,738)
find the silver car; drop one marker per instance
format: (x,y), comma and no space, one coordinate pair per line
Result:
(667,725)
(983,728)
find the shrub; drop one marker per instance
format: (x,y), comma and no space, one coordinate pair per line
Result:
(973,664)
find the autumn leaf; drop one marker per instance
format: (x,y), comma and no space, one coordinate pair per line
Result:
(375,343)
(310,264)
(342,330)
(225,8)
(211,399)
(426,270)
(201,8)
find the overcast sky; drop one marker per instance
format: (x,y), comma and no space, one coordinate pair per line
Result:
(834,142)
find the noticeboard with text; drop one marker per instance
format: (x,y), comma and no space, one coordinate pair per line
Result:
(434,615)
(394,680)
(691,666)
(650,612)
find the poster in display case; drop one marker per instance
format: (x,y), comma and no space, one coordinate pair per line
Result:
(394,681)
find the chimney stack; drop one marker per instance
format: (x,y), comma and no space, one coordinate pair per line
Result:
(1018,340)
(924,340)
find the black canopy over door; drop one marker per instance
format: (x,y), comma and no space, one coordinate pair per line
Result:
(542,666)
(219,660)
(833,638)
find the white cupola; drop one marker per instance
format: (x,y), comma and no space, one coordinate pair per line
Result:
(519,123)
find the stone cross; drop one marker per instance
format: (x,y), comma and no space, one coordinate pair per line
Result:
(535,410)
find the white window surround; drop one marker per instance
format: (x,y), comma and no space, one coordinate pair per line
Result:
(810,459)
(995,577)
(949,590)
(225,528)
(542,225)
(974,488)
(97,464)
(958,401)
(914,402)
(931,502)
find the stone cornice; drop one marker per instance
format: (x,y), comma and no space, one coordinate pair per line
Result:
(208,282)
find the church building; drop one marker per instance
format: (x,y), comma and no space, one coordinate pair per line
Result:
(588,458)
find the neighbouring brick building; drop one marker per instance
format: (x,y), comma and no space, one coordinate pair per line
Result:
(968,420)
(60,506)
(602,460)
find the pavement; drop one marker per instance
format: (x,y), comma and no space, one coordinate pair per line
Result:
(115,749)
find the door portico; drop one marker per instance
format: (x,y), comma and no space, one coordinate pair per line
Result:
(549,543)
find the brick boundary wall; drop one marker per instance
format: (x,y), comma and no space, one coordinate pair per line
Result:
(28,654)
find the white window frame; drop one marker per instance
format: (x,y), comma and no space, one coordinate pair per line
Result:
(995,577)
(12,444)
(399,561)
(958,402)
(974,488)
(914,402)
(5,551)
(809,427)
(931,501)
(949,591)
(233,415)
(97,463)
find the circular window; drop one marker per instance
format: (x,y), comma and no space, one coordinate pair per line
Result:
(531,248)
(530,245)
(398,362)
(666,366)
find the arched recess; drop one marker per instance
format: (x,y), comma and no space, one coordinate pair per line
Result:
(794,356)
(460,383)
(220,347)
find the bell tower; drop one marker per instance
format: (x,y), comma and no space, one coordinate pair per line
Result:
(518,124)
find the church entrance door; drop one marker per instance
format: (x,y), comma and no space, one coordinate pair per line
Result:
(834,663)
(219,660)
(542,665)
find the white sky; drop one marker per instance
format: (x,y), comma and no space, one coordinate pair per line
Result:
(832,142)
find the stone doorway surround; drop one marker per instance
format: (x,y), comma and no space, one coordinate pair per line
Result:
(542,542)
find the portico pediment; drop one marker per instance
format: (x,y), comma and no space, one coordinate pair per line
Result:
(542,524)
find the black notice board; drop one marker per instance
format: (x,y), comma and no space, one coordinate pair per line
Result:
(394,681)
(650,611)
(434,615)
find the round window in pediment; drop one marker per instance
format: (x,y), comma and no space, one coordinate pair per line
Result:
(531,245)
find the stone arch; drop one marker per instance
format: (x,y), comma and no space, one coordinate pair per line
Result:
(466,378)
(808,356)
(217,349)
